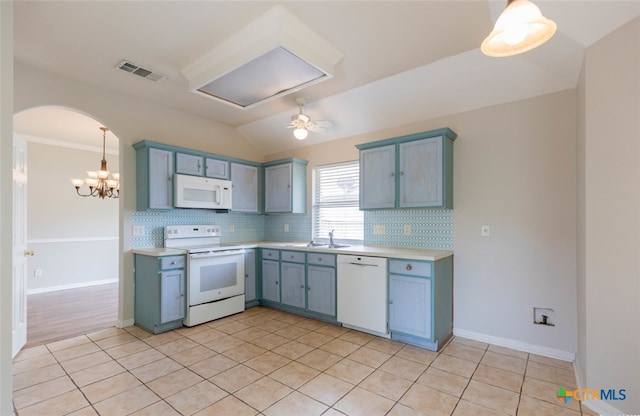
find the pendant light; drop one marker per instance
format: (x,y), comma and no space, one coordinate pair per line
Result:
(520,28)
(102,183)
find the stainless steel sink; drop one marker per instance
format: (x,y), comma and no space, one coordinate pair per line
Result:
(311,244)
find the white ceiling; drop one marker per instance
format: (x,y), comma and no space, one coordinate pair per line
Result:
(403,61)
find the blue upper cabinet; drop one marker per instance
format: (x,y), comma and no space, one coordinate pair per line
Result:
(156,163)
(414,171)
(378,177)
(216,168)
(154,176)
(285,186)
(244,182)
(188,164)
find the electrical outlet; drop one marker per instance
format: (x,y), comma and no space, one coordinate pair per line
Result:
(379,229)
(407,229)
(138,230)
(232,228)
(485,231)
(286,228)
(37,273)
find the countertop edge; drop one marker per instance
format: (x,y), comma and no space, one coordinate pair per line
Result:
(357,250)
(158,251)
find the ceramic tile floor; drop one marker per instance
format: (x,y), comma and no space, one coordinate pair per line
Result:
(267,362)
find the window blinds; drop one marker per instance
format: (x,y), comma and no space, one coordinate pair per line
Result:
(336,202)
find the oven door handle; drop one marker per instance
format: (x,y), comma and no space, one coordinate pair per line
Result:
(216,254)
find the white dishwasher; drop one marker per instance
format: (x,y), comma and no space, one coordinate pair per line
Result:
(362,293)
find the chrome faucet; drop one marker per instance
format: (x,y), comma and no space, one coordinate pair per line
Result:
(331,238)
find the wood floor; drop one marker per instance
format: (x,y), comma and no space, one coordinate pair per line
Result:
(67,313)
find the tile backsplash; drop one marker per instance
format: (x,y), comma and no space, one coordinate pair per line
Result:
(246,227)
(427,228)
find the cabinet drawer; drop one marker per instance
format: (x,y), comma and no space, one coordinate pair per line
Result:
(270,254)
(171,262)
(293,256)
(322,259)
(410,267)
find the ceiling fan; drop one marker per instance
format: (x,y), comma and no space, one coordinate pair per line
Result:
(302,124)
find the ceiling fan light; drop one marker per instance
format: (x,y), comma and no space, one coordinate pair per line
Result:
(300,133)
(520,28)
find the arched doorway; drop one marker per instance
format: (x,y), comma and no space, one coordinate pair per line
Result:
(72,281)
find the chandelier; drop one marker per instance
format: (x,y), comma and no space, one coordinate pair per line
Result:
(102,183)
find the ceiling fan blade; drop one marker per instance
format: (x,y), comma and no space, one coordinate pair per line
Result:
(323,124)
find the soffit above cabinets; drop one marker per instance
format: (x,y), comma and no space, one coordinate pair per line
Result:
(275,55)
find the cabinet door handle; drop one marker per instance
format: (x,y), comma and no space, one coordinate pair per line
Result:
(302,287)
(392,174)
(401,173)
(277,282)
(409,266)
(308,287)
(390,302)
(246,276)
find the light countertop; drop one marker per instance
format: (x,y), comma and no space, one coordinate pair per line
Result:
(357,250)
(158,251)
(361,250)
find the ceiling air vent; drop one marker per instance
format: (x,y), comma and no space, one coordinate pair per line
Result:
(140,71)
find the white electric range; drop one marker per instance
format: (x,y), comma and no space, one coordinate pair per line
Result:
(215,272)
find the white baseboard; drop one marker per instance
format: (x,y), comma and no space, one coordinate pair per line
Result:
(602,408)
(125,323)
(516,345)
(70,286)
(598,406)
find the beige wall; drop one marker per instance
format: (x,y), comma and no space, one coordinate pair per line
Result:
(131,120)
(514,169)
(6,144)
(75,238)
(610,273)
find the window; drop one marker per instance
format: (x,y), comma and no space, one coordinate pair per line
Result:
(336,202)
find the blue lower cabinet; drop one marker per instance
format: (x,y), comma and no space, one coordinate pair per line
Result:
(321,289)
(421,301)
(160,301)
(292,280)
(299,282)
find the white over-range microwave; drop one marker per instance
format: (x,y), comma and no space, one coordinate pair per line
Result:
(200,192)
